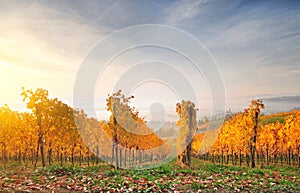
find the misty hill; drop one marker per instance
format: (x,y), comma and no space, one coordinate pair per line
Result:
(165,130)
(284,99)
(281,103)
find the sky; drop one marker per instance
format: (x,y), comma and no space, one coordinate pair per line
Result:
(254,47)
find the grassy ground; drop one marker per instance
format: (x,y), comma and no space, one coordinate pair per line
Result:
(202,177)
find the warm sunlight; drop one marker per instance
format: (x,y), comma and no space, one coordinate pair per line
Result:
(6,64)
(149,96)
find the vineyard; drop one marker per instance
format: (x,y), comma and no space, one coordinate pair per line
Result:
(55,133)
(277,140)
(51,134)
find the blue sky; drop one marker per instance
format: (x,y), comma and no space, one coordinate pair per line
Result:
(255,43)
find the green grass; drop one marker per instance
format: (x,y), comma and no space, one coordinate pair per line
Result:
(270,120)
(201,175)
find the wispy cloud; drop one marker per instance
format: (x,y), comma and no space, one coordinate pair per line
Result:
(41,46)
(252,41)
(183,10)
(47,39)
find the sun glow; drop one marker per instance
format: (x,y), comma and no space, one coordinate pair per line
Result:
(6,64)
